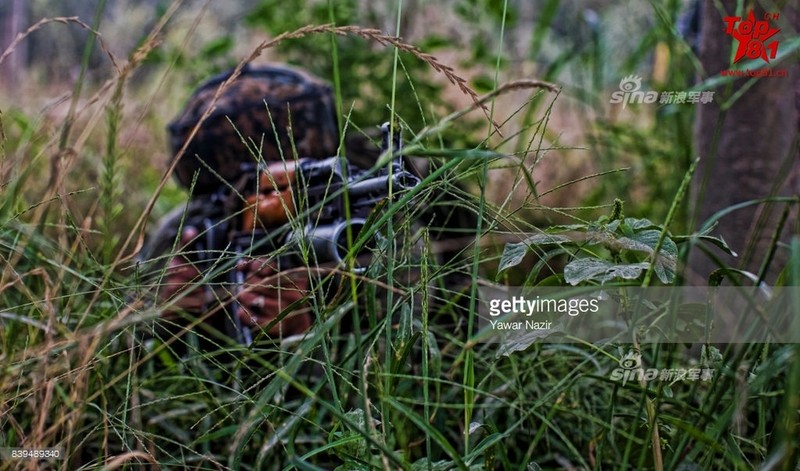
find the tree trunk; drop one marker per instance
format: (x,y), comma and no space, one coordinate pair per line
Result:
(13,19)
(748,151)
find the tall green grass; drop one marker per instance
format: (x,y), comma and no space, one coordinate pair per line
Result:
(406,385)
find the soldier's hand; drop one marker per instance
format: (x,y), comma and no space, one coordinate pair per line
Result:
(179,287)
(266,293)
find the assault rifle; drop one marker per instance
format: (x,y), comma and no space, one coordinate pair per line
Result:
(286,208)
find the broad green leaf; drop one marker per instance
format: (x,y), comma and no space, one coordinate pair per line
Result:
(716,241)
(667,259)
(639,224)
(593,269)
(645,241)
(514,253)
(650,237)
(664,271)
(633,243)
(520,340)
(612,226)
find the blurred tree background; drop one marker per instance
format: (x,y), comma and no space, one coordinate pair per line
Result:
(586,47)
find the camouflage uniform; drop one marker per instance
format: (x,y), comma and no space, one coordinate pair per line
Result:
(268,113)
(252,120)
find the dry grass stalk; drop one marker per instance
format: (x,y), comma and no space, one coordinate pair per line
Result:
(367,33)
(45,21)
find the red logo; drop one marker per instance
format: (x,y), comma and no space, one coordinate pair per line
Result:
(752,36)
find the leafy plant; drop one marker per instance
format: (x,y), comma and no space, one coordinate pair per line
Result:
(363,72)
(613,248)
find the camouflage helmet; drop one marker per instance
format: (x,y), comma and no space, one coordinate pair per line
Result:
(294,99)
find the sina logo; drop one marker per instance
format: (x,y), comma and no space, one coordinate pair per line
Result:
(630,369)
(630,84)
(631,361)
(629,92)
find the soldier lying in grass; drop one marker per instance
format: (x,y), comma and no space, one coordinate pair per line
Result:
(268,114)
(270,199)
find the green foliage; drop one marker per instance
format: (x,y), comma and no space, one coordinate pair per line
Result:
(212,58)
(610,249)
(387,378)
(362,71)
